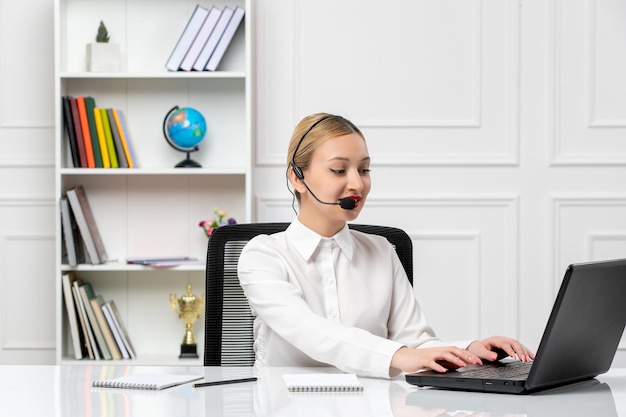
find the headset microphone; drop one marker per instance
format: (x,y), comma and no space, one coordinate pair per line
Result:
(347,203)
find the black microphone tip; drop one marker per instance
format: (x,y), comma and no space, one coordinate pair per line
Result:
(347,203)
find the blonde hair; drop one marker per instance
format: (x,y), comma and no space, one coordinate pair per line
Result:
(310,133)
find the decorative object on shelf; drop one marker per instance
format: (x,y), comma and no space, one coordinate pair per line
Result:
(218,221)
(188,307)
(184,128)
(103,56)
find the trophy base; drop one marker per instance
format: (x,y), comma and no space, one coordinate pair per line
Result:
(188,351)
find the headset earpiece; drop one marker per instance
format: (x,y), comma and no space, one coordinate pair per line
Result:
(297,171)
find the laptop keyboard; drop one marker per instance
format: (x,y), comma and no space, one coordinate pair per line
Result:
(508,371)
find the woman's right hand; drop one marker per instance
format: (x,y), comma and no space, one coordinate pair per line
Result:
(438,359)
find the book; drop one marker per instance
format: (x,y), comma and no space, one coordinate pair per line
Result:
(87,224)
(90,104)
(127,137)
(84,125)
(164,261)
(78,133)
(106,125)
(117,328)
(71,134)
(225,40)
(102,141)
(87,294)
(146,381)
(190,32)
(71,235)
(216,34)
(322,382)
(105,328)
(119,148)
(89,339)
(201,39)
(128,155)
(70,307)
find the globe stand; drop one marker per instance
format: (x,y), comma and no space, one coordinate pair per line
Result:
(188,162)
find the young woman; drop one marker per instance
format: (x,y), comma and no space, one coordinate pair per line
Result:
(325,295)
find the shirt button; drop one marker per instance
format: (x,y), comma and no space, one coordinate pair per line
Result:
(329,280)
(333,315)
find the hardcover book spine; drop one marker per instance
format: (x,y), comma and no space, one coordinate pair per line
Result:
(214,39)
(119,148)
(90,104)
(71,134)
(106,125)
(102,141)
(225,40)
(78,133)
(187,37)
(84,125)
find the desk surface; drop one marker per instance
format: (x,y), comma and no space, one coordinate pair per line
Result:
(66,391)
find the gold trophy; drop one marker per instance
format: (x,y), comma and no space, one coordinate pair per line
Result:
(189,307)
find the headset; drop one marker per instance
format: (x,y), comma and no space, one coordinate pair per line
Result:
(345,203)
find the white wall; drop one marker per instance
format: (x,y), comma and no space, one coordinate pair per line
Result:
(495,128)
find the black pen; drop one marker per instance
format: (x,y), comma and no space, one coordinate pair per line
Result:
(227,381)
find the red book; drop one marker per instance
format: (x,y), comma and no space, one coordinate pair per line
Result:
(84,124)
(80,143)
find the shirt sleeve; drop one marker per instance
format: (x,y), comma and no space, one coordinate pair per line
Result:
(264,275)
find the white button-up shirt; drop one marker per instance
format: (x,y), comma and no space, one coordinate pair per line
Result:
(343,301)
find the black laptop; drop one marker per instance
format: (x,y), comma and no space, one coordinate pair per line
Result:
(578,343)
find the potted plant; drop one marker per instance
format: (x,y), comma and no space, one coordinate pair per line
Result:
(102,55)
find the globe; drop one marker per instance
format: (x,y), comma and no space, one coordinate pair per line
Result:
(184,128)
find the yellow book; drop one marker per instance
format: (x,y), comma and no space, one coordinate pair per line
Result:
(106,163)
(106,125)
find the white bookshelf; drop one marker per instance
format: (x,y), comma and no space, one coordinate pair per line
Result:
(152,210)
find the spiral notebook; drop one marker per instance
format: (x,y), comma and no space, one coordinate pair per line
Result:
(145,381)
(322,383)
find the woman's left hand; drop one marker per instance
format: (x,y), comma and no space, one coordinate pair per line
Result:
(498,347)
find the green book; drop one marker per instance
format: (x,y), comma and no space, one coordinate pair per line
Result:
(87,294)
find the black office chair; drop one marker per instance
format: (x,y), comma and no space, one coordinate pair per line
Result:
(228,335)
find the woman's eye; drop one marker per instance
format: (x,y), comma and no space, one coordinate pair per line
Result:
(338,171)
(365,171)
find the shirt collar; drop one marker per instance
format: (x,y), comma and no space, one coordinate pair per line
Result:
(306,241)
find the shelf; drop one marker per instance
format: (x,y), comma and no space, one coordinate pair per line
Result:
(154,209)
(153,171)
(147,360)
(124,267)
(154,75)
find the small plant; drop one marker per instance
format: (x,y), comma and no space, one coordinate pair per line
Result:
(103,34)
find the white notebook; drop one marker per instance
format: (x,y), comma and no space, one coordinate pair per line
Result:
(146,381)
(322,382)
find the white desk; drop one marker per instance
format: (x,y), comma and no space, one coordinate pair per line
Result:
(64,391)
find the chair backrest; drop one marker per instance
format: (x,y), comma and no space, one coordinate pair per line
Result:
(228,335)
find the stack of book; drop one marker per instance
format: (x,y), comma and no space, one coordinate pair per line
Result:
(98,137)
(81,238)
(96,326)
(204,40)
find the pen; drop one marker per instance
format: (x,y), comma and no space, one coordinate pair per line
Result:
(227,381)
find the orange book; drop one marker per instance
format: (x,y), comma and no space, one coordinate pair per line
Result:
(84,124)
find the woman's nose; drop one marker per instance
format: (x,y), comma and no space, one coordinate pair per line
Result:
(355,182)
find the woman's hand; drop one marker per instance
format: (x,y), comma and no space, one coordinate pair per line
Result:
(498,347)
(439,359)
